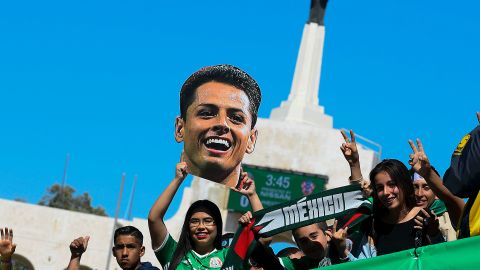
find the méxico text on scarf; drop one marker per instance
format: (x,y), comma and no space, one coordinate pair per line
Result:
(287,216)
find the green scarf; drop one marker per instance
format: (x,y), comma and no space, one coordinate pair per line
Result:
(287,216)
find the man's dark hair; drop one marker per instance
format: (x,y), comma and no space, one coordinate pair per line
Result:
(226,74)
(322,225)
(287,251)
(129,230)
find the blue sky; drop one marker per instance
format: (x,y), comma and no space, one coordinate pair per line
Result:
(100,80)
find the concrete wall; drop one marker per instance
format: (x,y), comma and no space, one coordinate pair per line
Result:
(43,235)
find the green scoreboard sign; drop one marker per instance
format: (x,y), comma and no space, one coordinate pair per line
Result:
(276,186)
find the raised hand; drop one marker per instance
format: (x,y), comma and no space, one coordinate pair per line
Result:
(181,169)
(7,247)
(246,185)
(339,239)
(419,160)
(79,246)
(367,189)
(350,152)
(349,149)
(245,218)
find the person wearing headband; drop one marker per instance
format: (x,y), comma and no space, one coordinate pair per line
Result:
(426,198)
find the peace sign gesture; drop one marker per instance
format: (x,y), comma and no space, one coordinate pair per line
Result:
(419,160)
(339,239)
(349,148)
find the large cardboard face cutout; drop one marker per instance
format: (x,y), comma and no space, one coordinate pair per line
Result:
(217,132)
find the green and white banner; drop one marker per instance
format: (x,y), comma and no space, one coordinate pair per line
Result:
(311,209)
(308,210)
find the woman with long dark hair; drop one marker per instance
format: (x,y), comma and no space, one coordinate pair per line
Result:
(199,245)
(398,224)
(394,208)
(201,233)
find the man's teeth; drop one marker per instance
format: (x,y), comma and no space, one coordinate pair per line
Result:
(219,141)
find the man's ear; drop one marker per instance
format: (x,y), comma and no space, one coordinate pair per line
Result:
(142,251)
(179,129)
(252,139)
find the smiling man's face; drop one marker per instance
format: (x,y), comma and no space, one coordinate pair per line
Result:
(217,132)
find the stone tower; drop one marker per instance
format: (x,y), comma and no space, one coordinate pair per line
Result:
(297,137)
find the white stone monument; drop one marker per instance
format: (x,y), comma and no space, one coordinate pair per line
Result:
(298,136)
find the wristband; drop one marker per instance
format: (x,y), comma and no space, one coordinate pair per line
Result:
(356,180)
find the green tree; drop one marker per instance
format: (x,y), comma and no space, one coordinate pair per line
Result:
(64,198)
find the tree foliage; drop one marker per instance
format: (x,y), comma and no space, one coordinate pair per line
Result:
(64,198)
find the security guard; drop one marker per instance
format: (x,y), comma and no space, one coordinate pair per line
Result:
(462,178)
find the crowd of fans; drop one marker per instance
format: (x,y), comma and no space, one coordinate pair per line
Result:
(411,207)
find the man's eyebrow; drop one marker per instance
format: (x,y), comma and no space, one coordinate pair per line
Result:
(124,244)
(209,105)
(240,109)
(214,106)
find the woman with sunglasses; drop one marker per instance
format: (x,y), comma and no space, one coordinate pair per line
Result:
(199,245)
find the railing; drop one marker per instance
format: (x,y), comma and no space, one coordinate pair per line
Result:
(366,143)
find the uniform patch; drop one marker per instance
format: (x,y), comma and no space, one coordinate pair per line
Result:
(215,262)
(461,145)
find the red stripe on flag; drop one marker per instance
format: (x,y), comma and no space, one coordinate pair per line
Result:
(360,212)
(352,218)
(244,241)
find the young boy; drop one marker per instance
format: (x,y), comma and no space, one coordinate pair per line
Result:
(127,249)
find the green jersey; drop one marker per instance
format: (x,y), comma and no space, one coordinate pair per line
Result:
(191,260)
(304,263)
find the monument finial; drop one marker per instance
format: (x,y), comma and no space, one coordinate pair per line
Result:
(317,11)
(302,104)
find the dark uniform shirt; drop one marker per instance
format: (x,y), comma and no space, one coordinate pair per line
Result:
(462,178)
